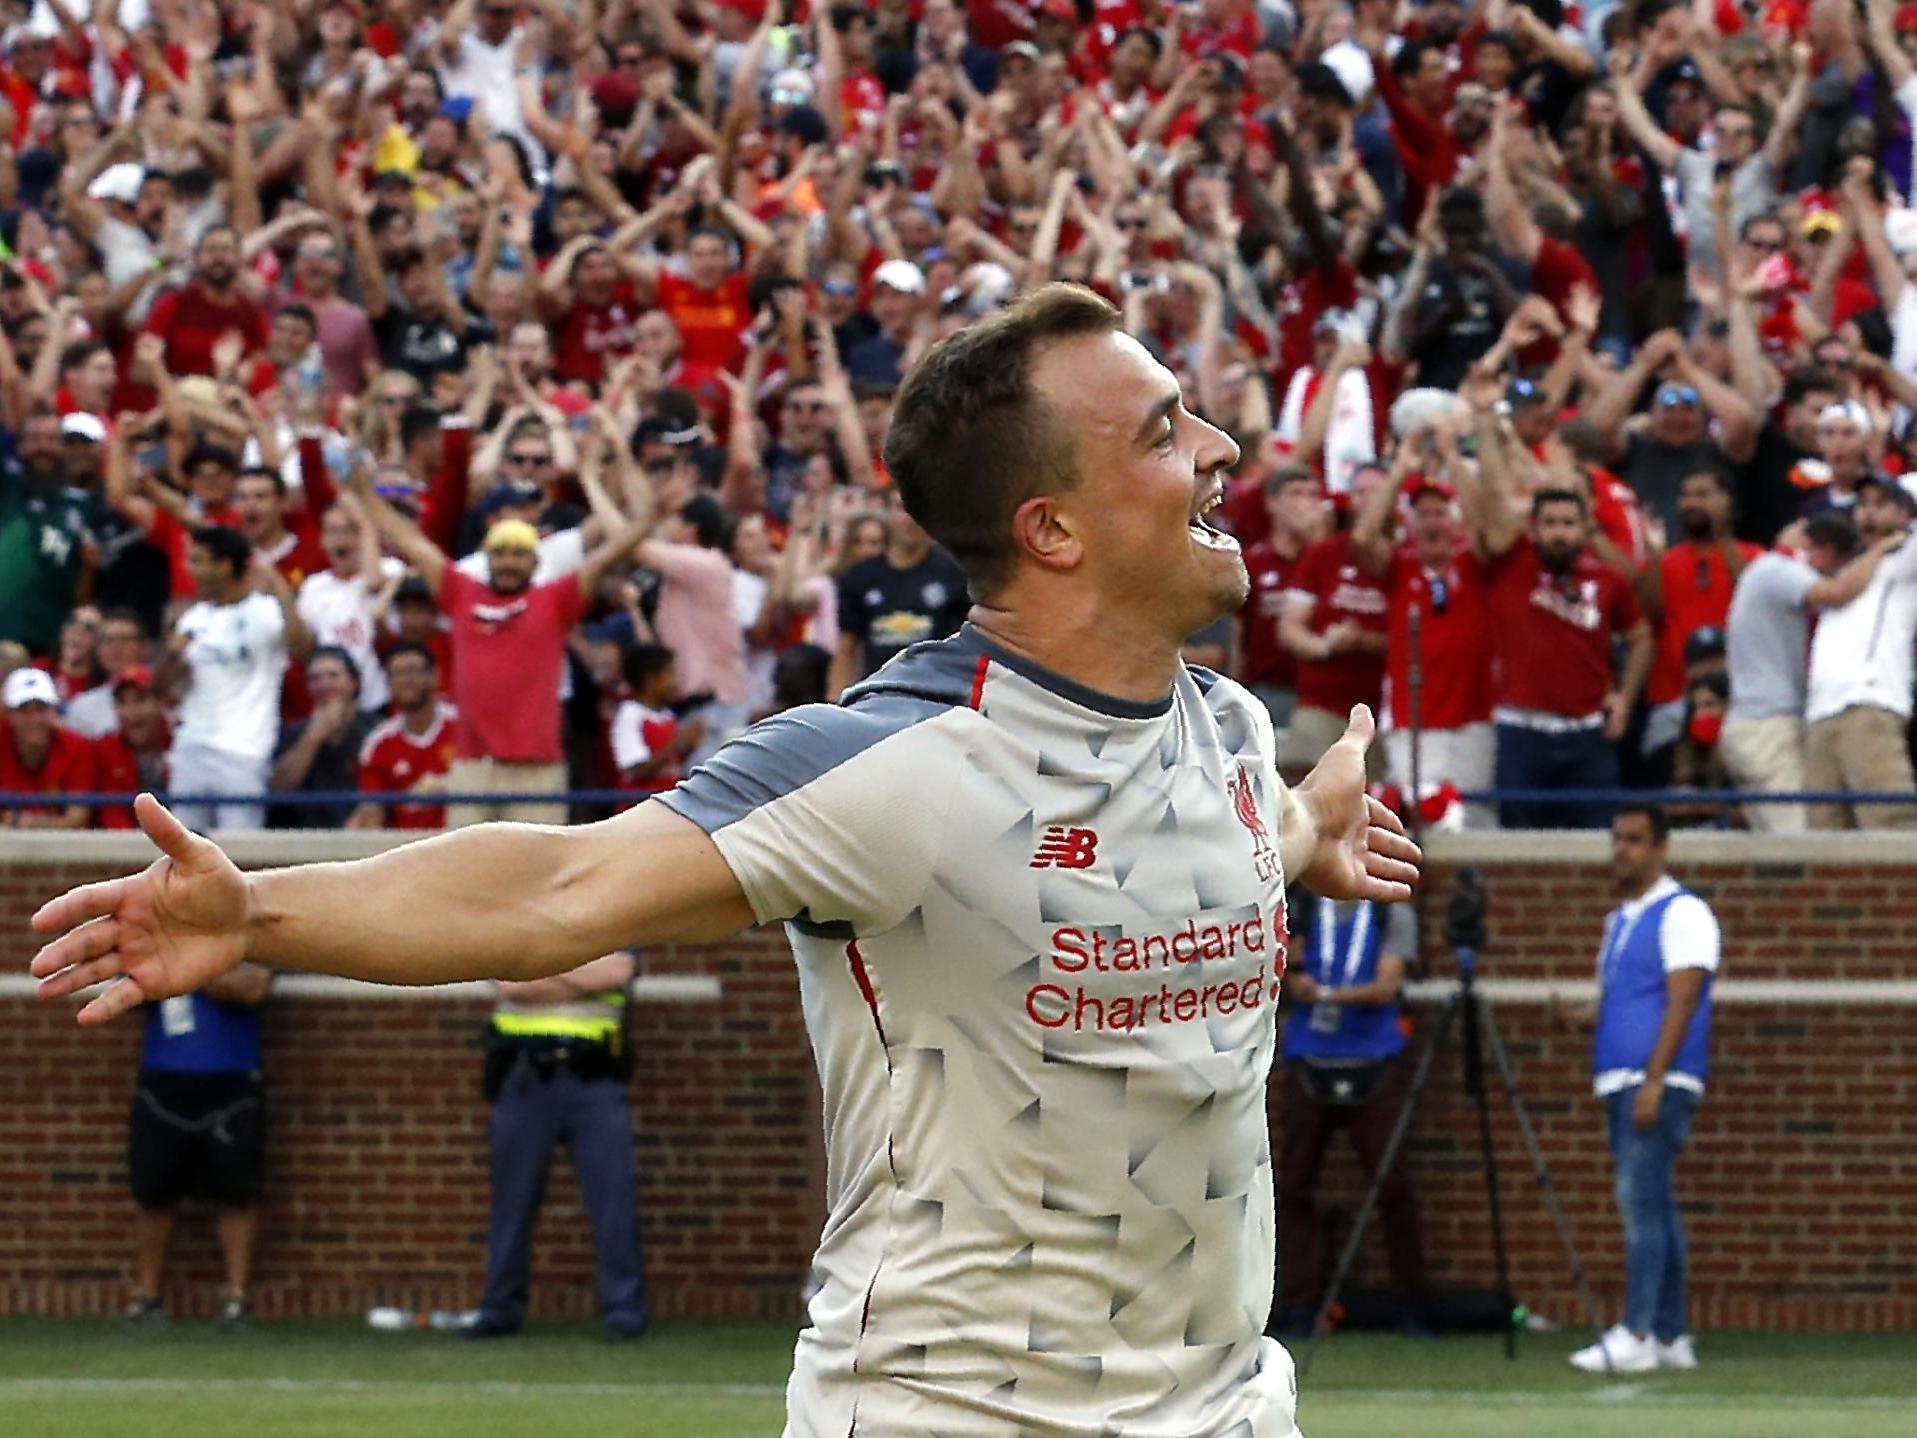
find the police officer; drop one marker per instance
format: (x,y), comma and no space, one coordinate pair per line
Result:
(556,1072)
(1653,1022)
(199,1130)
(1344,1068)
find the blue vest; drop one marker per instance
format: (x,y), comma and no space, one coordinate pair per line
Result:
(193,1034)
(1632,996)
(1341,952)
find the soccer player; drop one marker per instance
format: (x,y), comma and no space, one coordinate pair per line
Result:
(1034,879)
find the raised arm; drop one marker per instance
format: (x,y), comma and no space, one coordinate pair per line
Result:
(408,540)
(1637,120)
(508,901)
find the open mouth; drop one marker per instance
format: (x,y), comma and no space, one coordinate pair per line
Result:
(1204,532)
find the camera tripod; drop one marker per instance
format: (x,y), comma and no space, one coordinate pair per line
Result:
(1464,930)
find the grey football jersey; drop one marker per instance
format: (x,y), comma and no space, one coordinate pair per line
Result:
(1039,934)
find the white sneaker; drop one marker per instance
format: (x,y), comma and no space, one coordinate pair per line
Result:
(1680,1352)
(1628,1353)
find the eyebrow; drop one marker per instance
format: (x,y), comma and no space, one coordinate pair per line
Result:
(1159,411)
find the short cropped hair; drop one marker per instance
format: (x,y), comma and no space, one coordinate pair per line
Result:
(1660,821)
(971,440)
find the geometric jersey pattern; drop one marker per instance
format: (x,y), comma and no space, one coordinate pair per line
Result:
(1049,1177)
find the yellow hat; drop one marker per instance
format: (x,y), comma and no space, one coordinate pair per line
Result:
(1823,222)
(512,534)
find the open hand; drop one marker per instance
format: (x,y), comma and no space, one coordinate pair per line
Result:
(1362,851)
(167,930)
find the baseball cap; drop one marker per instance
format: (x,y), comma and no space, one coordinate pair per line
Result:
(1022,50)
(790,87)
(1419,485)
(1890,486)
(509,492)
(1704,643)
(1849,411)
(1823,222)
(414,590)
(901,275)
(119,182)
(134,676)
(512,534)
(30,686)
(84,426)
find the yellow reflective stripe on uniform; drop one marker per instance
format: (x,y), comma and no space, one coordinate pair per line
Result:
(555,1026)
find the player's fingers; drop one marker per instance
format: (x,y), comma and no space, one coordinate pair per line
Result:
(1384,891)
(1383,815)
(169,835)
(89,941)
(89,901)
(1360,728)
(120,996)
(81,976)
(1396,846)
(1396,870)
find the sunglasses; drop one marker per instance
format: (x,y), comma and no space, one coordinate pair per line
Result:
(806,406)
(1131,223)
(840,288)
(1769,247)
(1676,395)
(528,460)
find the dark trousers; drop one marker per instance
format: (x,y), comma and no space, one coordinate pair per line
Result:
(1305,1127)
(1532,759)
(532,1116)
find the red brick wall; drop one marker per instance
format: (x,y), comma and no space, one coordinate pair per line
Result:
(1797,1184)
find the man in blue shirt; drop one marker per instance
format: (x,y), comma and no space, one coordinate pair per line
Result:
(199,1130)
(1653,1023)
(1343,1049)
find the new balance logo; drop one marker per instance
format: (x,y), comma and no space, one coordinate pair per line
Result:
(1066,849)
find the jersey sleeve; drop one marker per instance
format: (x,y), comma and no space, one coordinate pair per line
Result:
(795,807)
(628,737)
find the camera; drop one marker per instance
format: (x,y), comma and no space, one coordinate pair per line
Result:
(1464,916)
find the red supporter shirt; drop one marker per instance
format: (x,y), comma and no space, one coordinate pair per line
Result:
(116,770)
(1697,593)
(1244,513)
(1550,634)
(710,321)
(1317,289)
(298,554)
(394,759)
(510,651)
(1266,661)
(1454,654)
(1330,576)
(588,333)
(1619,516)
(66,769)
(191,324)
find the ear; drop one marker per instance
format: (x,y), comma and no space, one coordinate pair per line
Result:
(1044,533)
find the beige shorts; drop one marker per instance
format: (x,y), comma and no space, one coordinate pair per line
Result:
(494,776)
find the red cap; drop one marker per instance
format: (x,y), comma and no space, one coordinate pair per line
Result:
(1418,486)
(139,676)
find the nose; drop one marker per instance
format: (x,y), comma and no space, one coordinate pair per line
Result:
(1215,448)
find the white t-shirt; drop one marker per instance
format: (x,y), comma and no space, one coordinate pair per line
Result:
(92,713)
(235,658)
(339,611)
(1862,652)
(748,599)
(1039,934)
(1350,437)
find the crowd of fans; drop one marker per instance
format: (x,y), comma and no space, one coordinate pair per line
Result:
(489,399)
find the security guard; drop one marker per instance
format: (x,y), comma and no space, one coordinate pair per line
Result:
(556,1072)
(1344,1068)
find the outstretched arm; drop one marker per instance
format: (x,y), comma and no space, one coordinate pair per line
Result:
(509,901)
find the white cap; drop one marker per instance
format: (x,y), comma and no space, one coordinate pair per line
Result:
(986,285)
(118,182)
(901,275)
(87,426)
(30,686)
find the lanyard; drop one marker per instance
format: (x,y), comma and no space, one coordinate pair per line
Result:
(1345,975)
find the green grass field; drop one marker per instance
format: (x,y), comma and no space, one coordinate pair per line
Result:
(81,1379)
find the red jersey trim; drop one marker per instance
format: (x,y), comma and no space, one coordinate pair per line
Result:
(978,681)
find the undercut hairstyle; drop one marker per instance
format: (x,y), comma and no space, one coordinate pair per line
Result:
(228,546)
(971,440)
(1559,496)
(1654,815)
